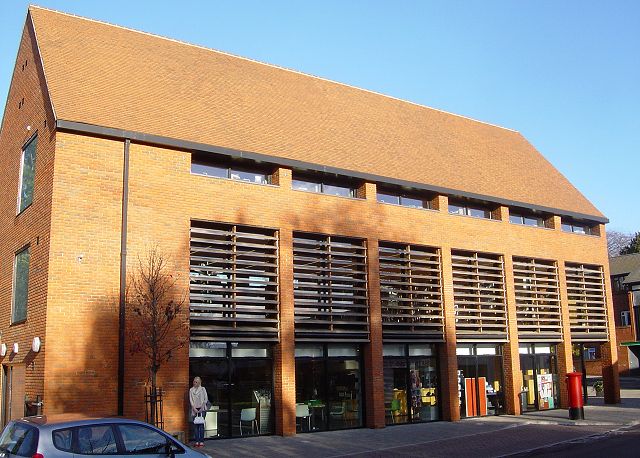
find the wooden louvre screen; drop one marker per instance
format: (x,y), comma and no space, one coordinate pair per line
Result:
(478,294)
(410,293)
(587,303)
(537,300)
(233,282)
(330,288)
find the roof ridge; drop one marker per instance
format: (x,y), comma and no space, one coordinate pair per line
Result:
(271,65)
(622,255)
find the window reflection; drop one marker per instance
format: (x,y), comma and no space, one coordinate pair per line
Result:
(328,388)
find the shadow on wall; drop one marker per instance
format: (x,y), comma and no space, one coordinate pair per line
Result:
(82,377)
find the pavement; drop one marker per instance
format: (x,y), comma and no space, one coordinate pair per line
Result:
(530,434)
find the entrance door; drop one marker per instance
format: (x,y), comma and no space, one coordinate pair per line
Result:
(539,376)
(250,397)
(479,380)
(423,383)
(396,384)
(12,392)
(410,383)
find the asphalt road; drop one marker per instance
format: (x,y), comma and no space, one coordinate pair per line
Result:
(619,444)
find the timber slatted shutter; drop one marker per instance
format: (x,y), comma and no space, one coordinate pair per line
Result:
(478,293)
(410,292)
(330,288)
(587,304)
(233,282)
(537,300)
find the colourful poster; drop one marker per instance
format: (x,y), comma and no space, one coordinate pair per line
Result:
(545,391)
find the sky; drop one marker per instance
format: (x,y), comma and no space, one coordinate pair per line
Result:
(566,74)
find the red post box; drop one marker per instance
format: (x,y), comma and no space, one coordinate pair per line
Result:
(576,404)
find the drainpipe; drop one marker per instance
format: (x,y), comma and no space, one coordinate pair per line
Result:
(123,277)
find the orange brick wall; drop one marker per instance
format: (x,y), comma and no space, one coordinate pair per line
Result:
(164,196)
(27,105)
(84,276)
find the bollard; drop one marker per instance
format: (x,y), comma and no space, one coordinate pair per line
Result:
(576,403)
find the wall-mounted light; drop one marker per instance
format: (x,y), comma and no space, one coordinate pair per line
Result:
(3,349)
(15,348)
(35,345)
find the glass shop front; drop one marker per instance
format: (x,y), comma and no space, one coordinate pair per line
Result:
(410,383)
(328,387)
(480,380)
(239,382)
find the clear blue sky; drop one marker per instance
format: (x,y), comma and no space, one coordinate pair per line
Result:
(564,73)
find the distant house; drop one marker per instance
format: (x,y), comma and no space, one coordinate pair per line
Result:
(625,284)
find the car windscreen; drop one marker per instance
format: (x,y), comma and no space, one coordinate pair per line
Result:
(19,439)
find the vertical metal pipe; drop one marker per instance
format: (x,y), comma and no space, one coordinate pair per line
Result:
(123,277)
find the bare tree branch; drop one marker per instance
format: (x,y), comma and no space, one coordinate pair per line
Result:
(156,304)
(617,241)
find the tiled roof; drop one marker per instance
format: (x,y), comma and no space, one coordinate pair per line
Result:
(628,264)
(110,76)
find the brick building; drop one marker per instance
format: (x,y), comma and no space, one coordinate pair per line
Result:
(351,259)
(625,283)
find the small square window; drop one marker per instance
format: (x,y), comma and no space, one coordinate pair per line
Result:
(302,185)
(334,190)
(388,198)
(515,219)
(412,202)
(532,221)
(625,318)
(209,170)
(479,213)
(456,209)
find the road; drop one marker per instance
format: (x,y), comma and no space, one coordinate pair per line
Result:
(619,444)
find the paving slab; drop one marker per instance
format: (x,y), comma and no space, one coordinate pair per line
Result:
(502,435)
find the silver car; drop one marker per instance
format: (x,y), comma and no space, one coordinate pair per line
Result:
(66,436)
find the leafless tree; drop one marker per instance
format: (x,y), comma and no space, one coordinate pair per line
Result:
(633,246)
(156,302)
(616,241)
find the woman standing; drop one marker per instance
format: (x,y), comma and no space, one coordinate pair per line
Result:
(199,403)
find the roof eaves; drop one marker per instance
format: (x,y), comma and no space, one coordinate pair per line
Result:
(103,131)
(44,73)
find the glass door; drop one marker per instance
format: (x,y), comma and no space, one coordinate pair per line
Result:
(410,383)
(328,387)
(311,395)
(214,373)
(528,393)
(546,381)
(344,395)
(424,389)
(395,390)
(480,380)
(250,387)
(538,363)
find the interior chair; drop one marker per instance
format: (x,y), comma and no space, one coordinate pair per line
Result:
(337,412)
(249,416)
(302,413)
(395,409)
